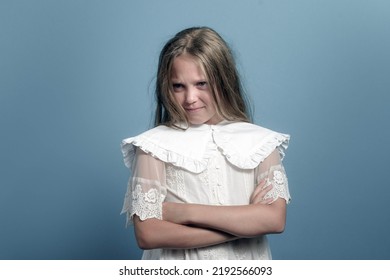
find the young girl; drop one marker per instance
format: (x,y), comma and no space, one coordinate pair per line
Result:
(206,183)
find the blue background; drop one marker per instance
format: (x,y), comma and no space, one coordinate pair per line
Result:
(76,77)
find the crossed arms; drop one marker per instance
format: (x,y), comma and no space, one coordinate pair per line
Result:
(185,226)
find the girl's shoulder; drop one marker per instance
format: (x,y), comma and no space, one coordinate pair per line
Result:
(246,144)
(181,147)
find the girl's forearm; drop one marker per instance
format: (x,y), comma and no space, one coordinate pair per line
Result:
(242,221)
(154,233)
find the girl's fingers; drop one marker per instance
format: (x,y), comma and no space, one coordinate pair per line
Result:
(259,194)
(258,189)
(267,201)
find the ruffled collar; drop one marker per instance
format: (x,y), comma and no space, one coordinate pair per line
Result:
(244,145)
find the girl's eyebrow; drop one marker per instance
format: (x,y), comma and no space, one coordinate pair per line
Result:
(195,81)
(202,79)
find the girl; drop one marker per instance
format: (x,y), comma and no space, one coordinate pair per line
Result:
(206,183)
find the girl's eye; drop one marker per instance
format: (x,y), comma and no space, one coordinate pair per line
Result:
(202,84)
(177,87)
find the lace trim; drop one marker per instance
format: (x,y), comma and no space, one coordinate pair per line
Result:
(144,204)
(280,186)
(175,180)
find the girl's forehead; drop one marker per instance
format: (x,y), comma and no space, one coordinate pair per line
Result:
(187,62)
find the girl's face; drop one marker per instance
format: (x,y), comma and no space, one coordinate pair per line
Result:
(192,91)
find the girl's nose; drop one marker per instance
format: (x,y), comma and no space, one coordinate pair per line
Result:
(191,96)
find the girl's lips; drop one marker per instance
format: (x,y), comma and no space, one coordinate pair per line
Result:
(193,110)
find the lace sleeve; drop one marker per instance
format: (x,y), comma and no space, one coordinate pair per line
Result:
(272,170)
(146,188)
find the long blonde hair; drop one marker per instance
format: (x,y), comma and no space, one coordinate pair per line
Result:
(216,60)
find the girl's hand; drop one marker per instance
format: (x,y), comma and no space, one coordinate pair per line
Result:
(258,195)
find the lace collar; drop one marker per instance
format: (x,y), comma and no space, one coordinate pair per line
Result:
(245,145)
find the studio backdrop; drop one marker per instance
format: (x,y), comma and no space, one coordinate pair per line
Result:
(76,77)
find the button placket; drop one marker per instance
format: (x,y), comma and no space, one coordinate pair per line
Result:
(219,179)
(211,179)
(216,172)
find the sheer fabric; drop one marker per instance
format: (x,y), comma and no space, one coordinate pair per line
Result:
(272,171)
(146,189)
(154,181)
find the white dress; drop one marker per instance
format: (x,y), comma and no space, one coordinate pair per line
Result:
(205,164)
